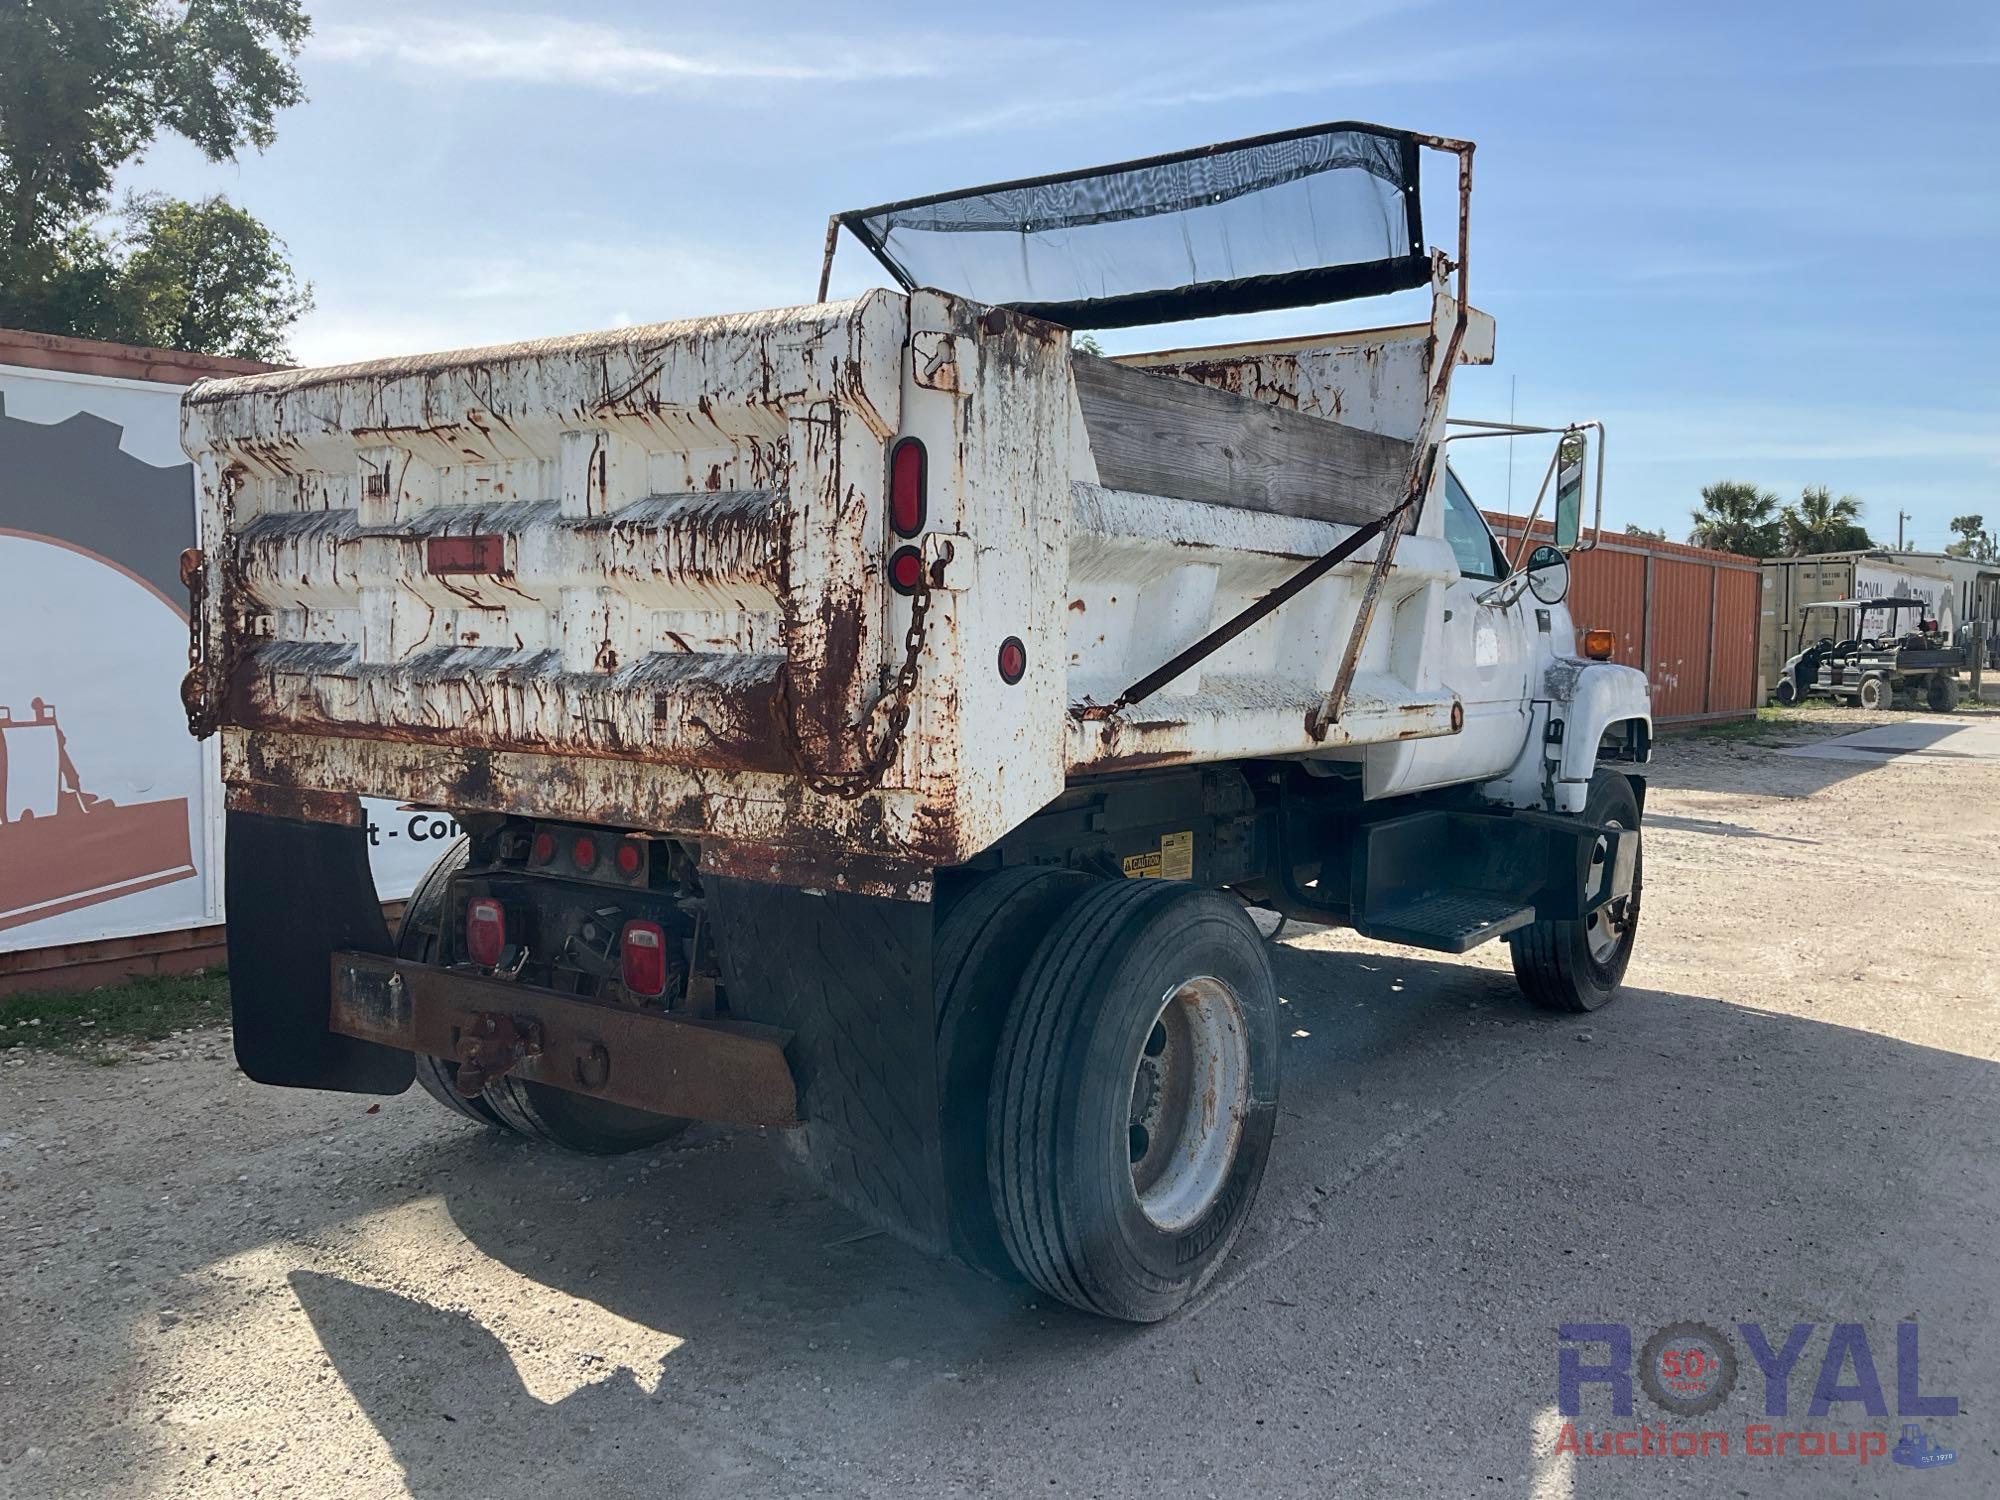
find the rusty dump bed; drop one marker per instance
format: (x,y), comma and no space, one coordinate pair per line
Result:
(648,578)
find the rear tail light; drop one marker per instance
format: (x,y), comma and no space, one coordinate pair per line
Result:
(1599,644)
(583,853)
(630,858)
(485,931)
(544,848)
(642,959)
(906,570)
(907,482)
(1013,660)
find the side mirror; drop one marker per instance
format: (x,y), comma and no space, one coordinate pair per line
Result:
(1548,575)
(1569,491)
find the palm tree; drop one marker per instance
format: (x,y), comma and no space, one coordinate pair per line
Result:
(1820,523)
(1736,517)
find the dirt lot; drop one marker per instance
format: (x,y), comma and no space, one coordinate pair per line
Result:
(1790,1117)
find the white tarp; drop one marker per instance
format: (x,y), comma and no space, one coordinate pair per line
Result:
(110,814)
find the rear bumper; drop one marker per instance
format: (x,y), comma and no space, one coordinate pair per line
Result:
(728,1071)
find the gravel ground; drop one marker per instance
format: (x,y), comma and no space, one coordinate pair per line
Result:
(1791,1116)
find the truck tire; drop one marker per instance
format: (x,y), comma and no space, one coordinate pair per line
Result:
(577,1122)
(418,938)
(1876,693)
(1134,1097)
(983,946)
(1577,966)
(1941,693)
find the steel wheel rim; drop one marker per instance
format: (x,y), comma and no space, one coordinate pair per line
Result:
(1601,929)
(1190,1092)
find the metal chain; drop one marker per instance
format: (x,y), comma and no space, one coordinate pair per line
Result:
(850,786)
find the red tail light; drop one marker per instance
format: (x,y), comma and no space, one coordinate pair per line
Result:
(583,853)
(906,570)
(544,848)
(630,858)
(485,931)
(643,959)
(907,482)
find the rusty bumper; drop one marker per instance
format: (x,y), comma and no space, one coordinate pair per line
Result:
(728,1071)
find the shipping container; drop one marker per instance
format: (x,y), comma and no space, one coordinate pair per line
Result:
(1686,616)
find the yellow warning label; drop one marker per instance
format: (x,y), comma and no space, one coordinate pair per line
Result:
(1173,860)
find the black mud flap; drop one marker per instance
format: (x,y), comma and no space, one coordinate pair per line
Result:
(295,892)
(850,977)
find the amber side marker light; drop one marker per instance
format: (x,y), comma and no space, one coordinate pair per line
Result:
(1599,644)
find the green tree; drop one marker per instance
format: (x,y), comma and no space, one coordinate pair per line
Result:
(1974,540)
(1820,523)
(85,87)
(1736,517)
(207,276)
(1633,528)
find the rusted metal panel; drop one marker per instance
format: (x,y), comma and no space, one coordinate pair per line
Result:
(723,1070)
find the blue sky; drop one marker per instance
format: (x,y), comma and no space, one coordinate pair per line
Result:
(1759,240)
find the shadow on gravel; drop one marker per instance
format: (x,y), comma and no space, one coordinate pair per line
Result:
(1456,1174)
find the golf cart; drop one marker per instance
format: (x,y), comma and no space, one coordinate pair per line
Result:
(1874,671)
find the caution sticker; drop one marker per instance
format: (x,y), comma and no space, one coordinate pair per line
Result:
(1173,860)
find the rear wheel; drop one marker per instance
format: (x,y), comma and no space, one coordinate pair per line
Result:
(1941,693)
(577,1122)
(1134,1097)
(1578,965)
(984,943)
(420,938)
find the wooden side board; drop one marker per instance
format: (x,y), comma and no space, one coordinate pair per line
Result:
(1160,435)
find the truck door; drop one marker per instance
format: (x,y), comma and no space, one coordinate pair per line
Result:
(1487,658)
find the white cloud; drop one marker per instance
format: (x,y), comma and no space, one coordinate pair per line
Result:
(495,48)
(498,294)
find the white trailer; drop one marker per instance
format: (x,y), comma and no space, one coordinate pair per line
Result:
(873,718)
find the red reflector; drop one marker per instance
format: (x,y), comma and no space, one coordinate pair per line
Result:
(466,554)
(907,477)
(1013,659)
(629,857)
(643,959)
(906,570)
(583,853)
(544,848)
(485,931)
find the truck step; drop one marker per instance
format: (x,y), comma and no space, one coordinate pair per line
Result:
(1447,921)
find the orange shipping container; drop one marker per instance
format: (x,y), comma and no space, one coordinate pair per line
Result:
(1684,615)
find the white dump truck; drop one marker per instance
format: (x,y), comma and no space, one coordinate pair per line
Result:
(876,719)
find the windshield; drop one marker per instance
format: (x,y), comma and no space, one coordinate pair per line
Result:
(1312,215)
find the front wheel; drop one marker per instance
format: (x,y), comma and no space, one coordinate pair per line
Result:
(1578,965)
(1134,1097)
(1877,693)
(1787,692)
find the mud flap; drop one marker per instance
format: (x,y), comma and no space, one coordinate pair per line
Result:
(850,977)
(295,892)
